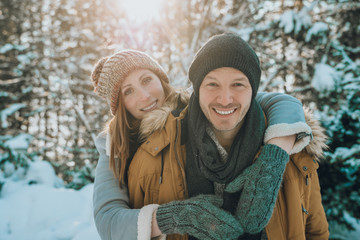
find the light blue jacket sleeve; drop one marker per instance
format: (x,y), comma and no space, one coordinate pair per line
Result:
(113,217)
(285,117)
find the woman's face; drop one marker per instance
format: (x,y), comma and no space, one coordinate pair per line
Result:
(142,92)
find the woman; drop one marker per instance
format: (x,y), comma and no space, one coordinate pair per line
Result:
(133,85)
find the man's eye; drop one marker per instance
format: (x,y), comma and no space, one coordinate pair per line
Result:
(238,84)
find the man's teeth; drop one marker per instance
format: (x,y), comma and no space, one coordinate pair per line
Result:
(149,107)
(224,112)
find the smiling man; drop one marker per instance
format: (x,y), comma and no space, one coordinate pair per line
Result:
(225,98)
(223,130)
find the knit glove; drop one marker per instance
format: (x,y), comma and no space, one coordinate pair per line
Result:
(260,185)
(200,217)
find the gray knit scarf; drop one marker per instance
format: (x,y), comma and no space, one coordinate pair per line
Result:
(202,158)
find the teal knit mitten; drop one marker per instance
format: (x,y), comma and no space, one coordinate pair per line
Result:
(260,185)
(200,217)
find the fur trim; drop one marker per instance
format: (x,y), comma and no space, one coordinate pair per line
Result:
(156,119)
(145,221)
(318,144)
(287,129)
(161,237)
(314,146)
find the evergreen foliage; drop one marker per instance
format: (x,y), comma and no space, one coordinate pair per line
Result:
(309,49)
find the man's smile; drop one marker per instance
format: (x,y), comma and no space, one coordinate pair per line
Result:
(225,112)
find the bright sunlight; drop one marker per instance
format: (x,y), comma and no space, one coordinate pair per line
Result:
(142,10)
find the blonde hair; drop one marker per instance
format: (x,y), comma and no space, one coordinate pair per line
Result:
(107,76)
(124,129)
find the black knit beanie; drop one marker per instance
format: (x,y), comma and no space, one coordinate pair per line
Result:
(225,50)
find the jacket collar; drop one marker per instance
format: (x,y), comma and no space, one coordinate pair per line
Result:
(161,138)
(156,142)
(156,119)
(305,163)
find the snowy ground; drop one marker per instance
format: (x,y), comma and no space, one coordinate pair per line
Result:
(338,232)
(36,206)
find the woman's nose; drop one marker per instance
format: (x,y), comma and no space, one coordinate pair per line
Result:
(144,94)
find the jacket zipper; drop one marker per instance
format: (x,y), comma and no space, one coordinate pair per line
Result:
(307,180)
(162,166)
(304,210)
(177,157)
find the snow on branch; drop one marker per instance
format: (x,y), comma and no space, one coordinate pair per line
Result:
(195,40)
(8,112)
(11,81)
(325,78)
(293,21)
(79,112)
(84,91)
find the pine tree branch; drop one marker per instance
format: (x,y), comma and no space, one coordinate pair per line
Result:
(9,82)
(197,35)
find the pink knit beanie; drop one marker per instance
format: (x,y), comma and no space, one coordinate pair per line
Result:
(109,72)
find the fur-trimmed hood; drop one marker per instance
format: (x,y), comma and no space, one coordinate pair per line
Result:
(314,141)
(317,144)
(156,119)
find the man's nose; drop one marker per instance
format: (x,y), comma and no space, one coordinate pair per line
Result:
(225,97)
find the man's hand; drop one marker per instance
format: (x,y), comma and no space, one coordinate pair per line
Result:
(260,185)
(200,217)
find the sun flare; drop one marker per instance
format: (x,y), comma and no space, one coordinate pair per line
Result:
(142,10)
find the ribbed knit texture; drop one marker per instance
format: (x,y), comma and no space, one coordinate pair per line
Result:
(225,50)
(200,217)
(118,67)
(202,166)
(260,184)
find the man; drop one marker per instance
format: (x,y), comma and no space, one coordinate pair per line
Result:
(223,130)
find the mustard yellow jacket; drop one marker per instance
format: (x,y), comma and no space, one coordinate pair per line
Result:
(157,175)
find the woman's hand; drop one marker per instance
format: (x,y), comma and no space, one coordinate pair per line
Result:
(286,142)
(155,230)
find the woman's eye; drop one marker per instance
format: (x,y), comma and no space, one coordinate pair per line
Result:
(146,80)
(212,84)
(128,91)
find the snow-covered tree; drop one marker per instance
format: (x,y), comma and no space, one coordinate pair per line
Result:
(307,48)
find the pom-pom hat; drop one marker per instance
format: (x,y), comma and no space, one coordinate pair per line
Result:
(109,73)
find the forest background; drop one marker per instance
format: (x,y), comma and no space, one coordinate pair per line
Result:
(49,112)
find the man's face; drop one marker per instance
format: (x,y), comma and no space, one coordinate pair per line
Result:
(225,97)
